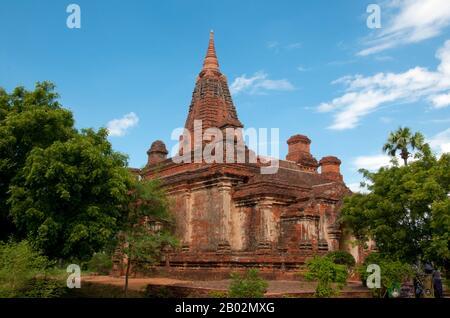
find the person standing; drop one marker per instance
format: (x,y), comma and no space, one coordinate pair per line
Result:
(428,281)
(437,284)
(418,287)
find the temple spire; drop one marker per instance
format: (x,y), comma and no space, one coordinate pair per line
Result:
(211,100)
(211,62)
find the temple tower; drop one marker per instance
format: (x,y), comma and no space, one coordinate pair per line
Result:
(211,100)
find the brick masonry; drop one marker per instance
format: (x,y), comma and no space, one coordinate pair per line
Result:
(229,215)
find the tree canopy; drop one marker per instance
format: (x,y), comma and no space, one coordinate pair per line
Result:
(69,202)
(67,191)
(28,119)
(147,226)
(406,211)
(403,139)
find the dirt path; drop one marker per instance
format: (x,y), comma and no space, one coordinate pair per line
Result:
(137,284)
(275,286)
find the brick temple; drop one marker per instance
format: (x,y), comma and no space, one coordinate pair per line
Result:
(232,215)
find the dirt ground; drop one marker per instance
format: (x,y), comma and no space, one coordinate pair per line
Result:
(274,288)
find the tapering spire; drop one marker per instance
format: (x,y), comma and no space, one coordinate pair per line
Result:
(211,100)
(211,62)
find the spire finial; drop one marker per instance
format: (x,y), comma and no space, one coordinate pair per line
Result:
(211,61)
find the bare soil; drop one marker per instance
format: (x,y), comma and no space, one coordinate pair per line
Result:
(276,287)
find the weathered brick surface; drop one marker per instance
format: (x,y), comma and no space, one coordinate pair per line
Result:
(229,215)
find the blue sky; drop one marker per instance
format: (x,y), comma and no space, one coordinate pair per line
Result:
(308,67)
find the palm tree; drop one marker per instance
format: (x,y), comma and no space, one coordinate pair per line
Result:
(401,140)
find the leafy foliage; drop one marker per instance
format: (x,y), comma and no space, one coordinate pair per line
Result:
(250,285)
(218,294)
(100,263)
(406,212)
(326,272)
(393,272)
(403,139)
(68,192)
(342,258)
(23,270)
(44,287)
(146,228)
(28,119)
(159,292)
(69,200)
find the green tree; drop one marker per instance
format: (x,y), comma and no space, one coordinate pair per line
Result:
(401,140)
(100,263)
(326,273)
(69,200)
(20,99)
(28,119)
(406,211)
(250,285)
(146,228)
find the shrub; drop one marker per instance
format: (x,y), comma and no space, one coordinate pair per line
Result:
(251,285)
(218,294)
(342,258)
(372,258)
(163,292)
(393,273)
(42,287)
(100,263)
(20,268)
(99,290)
(326,272)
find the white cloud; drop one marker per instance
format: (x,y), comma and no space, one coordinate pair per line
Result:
(341,62)
(408,21)
(272,44)
(383,58)
(371,163)
(386,120)
(365,94)
(277,46)
(356,187)
(259,83)
(438,121)
(440,101)
(441,141)
(292,46)
(119,127)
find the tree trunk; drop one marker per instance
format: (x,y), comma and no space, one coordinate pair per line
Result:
(405,155)
(127,273)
